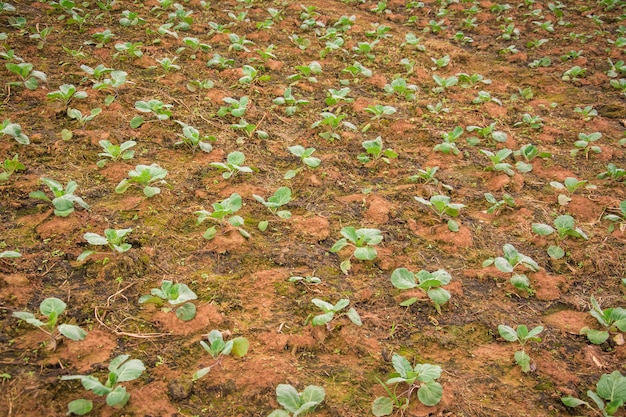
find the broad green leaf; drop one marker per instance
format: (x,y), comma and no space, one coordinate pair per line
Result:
(313,394)
(79,407)
(28,318)
(612,387)
(340,244)
(151,191)
(503,265)
(341,304)
(281,197)
(200,373)
(136,122)
(288,397)
(508,333)
(353,315)
(542,229)
(186,312)
(439,295)
(263,225)
(564,222)
(573,402)
(39,195)
(10,254)
(520,281)
(184,294)
(72,332)
(597,337)
(403,279)
(367,253)
(84,255)
(240,346)
(409,302)
(122,186)
(382,406)
(323,305)
(556,252)
(52,305)
(345,266)
(350,234)
(523,360)
(427,372)
(430,393)
(401,365)
(90,383)
(95,239)
(453,226)
(322,319)
(118,397)
(127,371)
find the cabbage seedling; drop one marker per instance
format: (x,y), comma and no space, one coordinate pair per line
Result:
(612,172)
(290,101)
(612,319)
(51,309)
(378,111)
(217,348)
(333,122)
(330,312)
(143,176)
(619,218)
(528,152)
(296,403)
(15,131)
(156,107)
(221,211)
(64,199)
(305,157)
(115,152)
(570,184)
(307,72)
(511,260)
(335,97)
(233,165)
(66,93)
(497,205)
(30,78)
(421,377)
(238,43)
(9,166)
(521,335)
(449,141)
(610,388)
(487,132)
(281,197)
(442,207)
(497,159)
(564,226)
(584,143)
(374,151)
(83,119)
(174,294)
(428,282)
(234,107)
(115,239)
(191,137)
(120,370)
(587,112)
(363,241)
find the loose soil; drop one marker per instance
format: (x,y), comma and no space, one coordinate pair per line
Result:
(242,283)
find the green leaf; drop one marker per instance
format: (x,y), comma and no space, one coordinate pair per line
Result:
(520,281)
(122,186)
(403,279)
(79,407)
(439,295)
(10,254)
(118,397)
(597,337)
(345,266)
(503,265)
(401,365)
(312,394)
(382,406)
(136,122)
(186,312)
(151,191)
(409,302)
(263,225)
(52,306)
(39,195)
(72,332)
(288,397)
(564,222)
(453,226)
(523,360)
(366,253)
(430,393)
(612,387)
(508,333)
(556,252)
(323,305)
(210,233)
(28,318)
(240,346)
(322,319)
(340,244)
(126,371)
(200,373)
(573,402)
(542,229)
(353,315)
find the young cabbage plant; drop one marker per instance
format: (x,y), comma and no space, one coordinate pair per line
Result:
(233,165)
(51,309)
(143,176)
(570,184)
(115,152)
(498,205)
(619,218)
(612,172)
(528,152)
(584,144)
(64,198)
(363,242)
(115,239)
(9,167)
(610,388)
(306,72)
(375,151)
(442,207)
(81,118)
(337,97)
(296,403)
(379,110)
(421,377)
(281,197)
(121,369)
(15,131)
(29,78)
(449,141)
(612,319)
(331,312)
(234,107)
(292,104)
(488,132)
(511,260)
(402,88)
(224,214)
(332,122)
(564,226)
(174,294)
(65,94)
(217,348)
(191,137)
(155,107)
(522,335)
(305,155)
(497,159)
(428,282)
